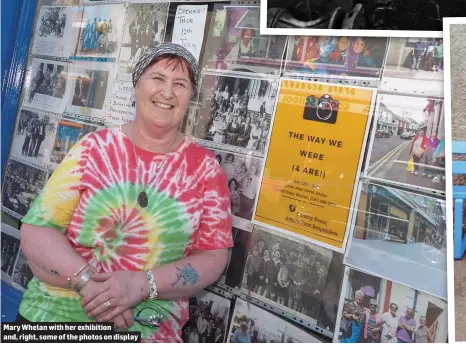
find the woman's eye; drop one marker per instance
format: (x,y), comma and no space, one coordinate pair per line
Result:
(180,84)
(158,78)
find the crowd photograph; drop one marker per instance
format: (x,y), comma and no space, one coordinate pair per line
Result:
(48,79)
(340,56)
(208,318)
(252,324)
(22,185)
(10,249)
(102,30)
(22,273)
(90,88)
(34,136)
(376,310)
(290,273)
(144,30)
(243,176)
(53,22)
(236,112)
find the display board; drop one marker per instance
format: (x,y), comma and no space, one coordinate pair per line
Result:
(329,145)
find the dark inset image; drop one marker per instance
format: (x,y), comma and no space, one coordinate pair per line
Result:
(414,15)
(90,89)
(10,248)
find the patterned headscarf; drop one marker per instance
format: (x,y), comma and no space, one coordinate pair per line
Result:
(166,48)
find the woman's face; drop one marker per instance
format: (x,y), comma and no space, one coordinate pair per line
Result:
(163,94)
(359,46)
(233,185)
(343,43)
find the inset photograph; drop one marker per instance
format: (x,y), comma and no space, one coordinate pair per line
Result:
(10,249)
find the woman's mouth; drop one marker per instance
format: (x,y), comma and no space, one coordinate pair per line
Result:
(163,105)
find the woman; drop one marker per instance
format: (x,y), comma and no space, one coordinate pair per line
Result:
(145,209)
(234,196)
(249,193)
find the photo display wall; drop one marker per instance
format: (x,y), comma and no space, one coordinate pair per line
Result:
(333,148)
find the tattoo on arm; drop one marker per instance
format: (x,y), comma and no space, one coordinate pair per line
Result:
(54,272)
(187,275)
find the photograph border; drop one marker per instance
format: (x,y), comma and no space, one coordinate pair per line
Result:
(356,178)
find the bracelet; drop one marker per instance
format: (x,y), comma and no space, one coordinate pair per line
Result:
(83,280)
(153,294)
(69,282)
(81,269)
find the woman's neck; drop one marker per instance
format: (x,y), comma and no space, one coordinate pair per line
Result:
(157,141)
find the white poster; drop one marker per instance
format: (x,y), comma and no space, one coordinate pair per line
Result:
(55,33)
(188,29)
(122,104)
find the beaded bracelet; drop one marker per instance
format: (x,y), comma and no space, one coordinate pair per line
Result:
(153,294)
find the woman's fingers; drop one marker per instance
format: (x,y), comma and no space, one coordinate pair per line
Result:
(102,277)
(99,305)
(108,316)
(128,316)
(120,322)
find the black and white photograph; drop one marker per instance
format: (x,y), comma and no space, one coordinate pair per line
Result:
(22,272)
(55,34)
(252,324)
(377,310)
(236,113)
(405,235)
(289,274)
(208,318)
(22,185)
(68,133)
(341,57)
(102,30)
(235,44)
(144,29)
(408,145)
(91,87)
(10,249)
(375,18)
(47,85)
(33,137)
(243,176)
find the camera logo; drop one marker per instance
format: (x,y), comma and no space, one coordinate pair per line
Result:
(323,109)
(292,208)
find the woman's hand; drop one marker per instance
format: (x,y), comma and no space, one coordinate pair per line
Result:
(123,289)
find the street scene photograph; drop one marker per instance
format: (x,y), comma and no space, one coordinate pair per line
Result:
(408,142)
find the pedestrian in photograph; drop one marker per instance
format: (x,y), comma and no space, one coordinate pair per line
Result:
(241,335)
(406,327)
(422,333)
(438,55)
(417,150)
(389,322)
(110,278)
(420,48)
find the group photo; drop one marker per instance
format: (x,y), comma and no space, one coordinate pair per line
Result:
(340,56)
(22,185)
(291,273)
(409,141)
(208,318)
(236,112)
(53,22)
(376,310)
(34,137)
(145,28)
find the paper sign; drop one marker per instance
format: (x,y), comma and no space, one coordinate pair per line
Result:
(122,104)
(188,29)
(312,162)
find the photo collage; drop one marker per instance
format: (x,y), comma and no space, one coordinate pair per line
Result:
(386,283)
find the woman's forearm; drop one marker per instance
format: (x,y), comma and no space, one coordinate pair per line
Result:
(187,276)
(48,277)
(50,252)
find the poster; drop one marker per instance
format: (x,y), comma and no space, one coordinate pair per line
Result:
(369,299)
(287,274)
(10,249)
(188,28)
(22,185)
(315,152)
(234,42)
(404,234)
(47,85)
(251,324)
(122,104)
(408,145)
(208,318)
(33,138)
(342,56)
(90,89)
(55,34)
(236,113)
(243,173)
(102,30)
(145,28)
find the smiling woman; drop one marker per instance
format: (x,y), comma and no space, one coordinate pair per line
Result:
(146,213)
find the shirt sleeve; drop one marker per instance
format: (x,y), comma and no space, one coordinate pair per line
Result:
(215,227)
(55,205)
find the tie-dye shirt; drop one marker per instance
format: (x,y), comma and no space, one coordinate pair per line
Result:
(92,198)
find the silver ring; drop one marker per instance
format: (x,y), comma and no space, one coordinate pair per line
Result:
(107,304)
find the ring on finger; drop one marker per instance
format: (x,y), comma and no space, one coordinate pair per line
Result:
(107,304)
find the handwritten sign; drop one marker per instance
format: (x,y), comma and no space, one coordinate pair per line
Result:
(122,104)
(188,29)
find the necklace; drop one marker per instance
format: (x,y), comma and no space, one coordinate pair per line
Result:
(143,200)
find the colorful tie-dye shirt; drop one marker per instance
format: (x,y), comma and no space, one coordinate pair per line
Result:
(92,198)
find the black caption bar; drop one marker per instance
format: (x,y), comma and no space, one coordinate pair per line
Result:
(45,332)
